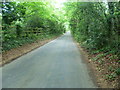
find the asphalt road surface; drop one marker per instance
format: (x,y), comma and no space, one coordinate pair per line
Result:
(57,64)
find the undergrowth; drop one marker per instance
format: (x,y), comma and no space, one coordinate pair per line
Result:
(17,42)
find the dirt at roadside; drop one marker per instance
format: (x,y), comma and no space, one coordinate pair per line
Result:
(12,54)
(96,73)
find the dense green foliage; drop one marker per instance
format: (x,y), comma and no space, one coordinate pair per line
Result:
(95,25)
(28,21)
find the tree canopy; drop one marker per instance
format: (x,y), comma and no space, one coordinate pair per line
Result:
(26,17)
(95,24)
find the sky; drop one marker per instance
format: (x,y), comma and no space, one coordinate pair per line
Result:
(59,3)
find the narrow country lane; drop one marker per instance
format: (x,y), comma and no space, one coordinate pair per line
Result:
(57,64)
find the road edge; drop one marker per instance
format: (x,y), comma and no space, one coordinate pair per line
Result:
(34,45)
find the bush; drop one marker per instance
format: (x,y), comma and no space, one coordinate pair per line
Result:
(118,71)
